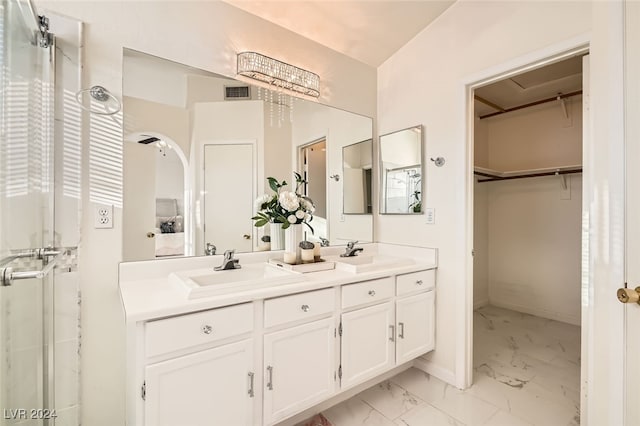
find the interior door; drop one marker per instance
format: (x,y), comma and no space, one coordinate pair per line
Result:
(632,155)
(229,177)
(26,216)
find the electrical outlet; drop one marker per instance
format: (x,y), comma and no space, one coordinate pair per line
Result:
(430,212)
(103,216)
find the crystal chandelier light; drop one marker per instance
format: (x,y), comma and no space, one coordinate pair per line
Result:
(278,74)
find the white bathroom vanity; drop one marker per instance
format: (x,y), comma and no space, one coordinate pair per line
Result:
(273,348)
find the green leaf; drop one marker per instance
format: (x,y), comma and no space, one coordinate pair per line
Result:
(260,223)
(298,176)
(273,184)
(256,218)
(285,225)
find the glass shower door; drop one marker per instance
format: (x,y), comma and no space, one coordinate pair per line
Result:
(26,218)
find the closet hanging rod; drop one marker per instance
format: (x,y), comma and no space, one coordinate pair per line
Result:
(530,104)
(491,178)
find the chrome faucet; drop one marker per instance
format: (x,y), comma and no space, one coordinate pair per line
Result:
(210,249)
(324,242)
(228,262)
(352,250)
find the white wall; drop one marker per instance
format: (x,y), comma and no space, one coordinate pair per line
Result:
(480,219)
(528,230)
(534,246)
(204,35)
(340,128)
(468,38)
(518,141)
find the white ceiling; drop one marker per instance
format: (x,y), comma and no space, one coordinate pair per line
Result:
(562,77)
(367,30)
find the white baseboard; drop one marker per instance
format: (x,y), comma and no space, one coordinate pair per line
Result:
(435,370)
(539,312)
(480,303)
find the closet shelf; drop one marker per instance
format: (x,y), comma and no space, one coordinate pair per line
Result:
(490,175)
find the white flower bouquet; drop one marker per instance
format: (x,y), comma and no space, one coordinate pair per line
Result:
(286,207)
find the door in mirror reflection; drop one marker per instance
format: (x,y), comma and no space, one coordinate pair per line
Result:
(356,170)
(402,172)
(228,196)
(314,166)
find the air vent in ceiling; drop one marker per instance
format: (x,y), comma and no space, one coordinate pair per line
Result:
(237,92)
(148,140)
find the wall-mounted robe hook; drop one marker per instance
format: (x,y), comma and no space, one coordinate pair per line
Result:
(438,161)
(335,177)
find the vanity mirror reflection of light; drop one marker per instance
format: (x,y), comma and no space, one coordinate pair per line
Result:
(402,172)
(357,160)
(208,122)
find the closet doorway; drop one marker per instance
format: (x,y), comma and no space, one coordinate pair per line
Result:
(528,140)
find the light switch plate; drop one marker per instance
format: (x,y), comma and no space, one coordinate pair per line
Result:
(430,213)
(103,216)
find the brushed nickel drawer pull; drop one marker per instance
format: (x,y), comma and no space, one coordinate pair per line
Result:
(392,333)
(270,377)
(401,330)
(305,308)
(372,293)
(419,282)
(207,329)
(250,392)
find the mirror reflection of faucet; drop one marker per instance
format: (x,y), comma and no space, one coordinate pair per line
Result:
(352,250)
(324,242)
(229,262)
(210,250)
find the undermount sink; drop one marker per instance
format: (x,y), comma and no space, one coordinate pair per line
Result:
(207,282)
(368,263)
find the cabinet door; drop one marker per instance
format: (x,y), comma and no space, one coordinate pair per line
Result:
(299,368)
(210,387)
(415,326)
(367,343)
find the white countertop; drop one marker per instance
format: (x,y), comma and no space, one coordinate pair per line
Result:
(147,293)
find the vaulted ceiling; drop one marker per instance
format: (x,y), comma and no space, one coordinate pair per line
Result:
(367,30)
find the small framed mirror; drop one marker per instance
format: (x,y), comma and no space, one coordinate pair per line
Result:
(402,172)
(357,161)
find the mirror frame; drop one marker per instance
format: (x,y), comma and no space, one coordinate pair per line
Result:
(422,171)
(344,181)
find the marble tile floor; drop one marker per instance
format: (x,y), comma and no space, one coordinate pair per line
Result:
(527,372)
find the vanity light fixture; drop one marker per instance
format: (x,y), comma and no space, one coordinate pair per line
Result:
(279,74)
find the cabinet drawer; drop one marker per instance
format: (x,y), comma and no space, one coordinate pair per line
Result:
(416,281)
(298,306)
(367,291)
(172,334)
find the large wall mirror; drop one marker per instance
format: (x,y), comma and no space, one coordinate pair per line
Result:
(402,172)
(199,148)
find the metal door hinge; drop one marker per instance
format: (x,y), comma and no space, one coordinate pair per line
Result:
(143,391)
(340,329)
(340,372)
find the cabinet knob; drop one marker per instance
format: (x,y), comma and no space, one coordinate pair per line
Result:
(305,308)
(419,282)
(372,293)
(207,329)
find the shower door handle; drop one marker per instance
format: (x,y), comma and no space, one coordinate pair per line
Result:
(7,275)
